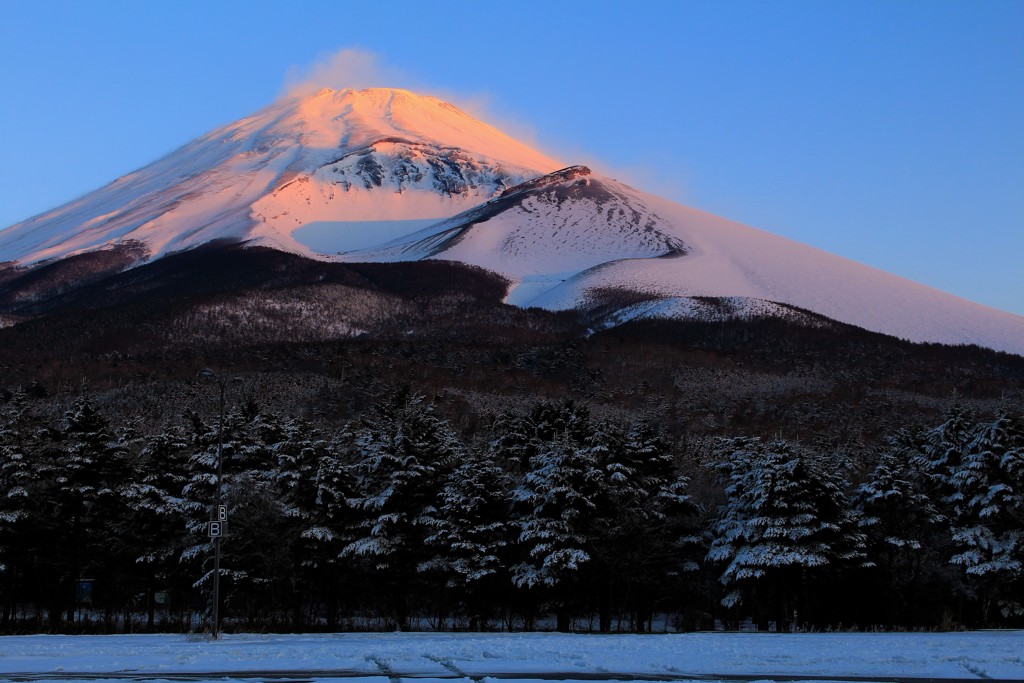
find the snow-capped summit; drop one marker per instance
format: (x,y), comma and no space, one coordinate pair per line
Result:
(346,156)
(387,175)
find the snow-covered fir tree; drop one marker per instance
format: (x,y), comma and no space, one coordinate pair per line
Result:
(199,492)
(785,520)
(904,529)
(471,533)
(19,489)
(559,501)
(404,451)
(155,510)
(87,468)
(650,529)
(17,473)
(237,442)
(328,524)
(940,450)
(520,436)
(988,513)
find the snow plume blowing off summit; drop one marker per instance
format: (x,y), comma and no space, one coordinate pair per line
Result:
(384,174)
(353,68)
(356,68)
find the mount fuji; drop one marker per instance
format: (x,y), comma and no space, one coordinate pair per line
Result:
(386,175)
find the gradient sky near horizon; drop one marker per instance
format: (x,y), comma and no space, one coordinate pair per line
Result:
(890,132)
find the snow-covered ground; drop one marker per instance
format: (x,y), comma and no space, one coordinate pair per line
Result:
(981,655)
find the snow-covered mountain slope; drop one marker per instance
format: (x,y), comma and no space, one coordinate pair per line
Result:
(570,237)
(363,166)
(540,232)
(342,156)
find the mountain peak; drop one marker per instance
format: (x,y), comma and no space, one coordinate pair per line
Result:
(334,155)
(386,174)
(351,119)
(365,92)
(368,97)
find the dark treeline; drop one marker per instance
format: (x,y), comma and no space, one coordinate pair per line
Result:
(554,518)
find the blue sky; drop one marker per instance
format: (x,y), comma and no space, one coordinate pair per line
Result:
(888,132)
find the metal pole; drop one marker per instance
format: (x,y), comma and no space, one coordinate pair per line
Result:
(216,512)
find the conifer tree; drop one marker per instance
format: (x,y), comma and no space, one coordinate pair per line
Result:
(87,468)
(404,452)
(520,437)
(156,511)
(471,533)
(988,513)
(650,533)
(785,520)
(328,524)
(559,501)
(904,531)
(20,488)
(940,451)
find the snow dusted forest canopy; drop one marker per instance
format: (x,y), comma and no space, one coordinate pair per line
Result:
(552,519)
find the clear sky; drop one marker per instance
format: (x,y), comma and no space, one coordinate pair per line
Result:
(888,132)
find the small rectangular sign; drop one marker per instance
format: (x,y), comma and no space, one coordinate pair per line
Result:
(83,591)
(222,513)
(216,529)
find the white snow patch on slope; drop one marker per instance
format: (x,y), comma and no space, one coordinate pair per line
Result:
(707,310)
(335,237)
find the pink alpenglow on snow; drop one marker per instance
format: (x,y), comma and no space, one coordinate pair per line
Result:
(387,175)
(345,156)
(565,241)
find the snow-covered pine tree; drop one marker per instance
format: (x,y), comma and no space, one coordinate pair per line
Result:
(405,451)
(940,451)
(988,514)
(650,532)
(297,452)
(156,512)
(259,555)
(88,467)
(199,493)
(558,502)
(471,533)
(521,436)
(261,436)
(328,523)
(785,521)
(315,485)
(268,467)
(19,493)
(904,531)
(513,439)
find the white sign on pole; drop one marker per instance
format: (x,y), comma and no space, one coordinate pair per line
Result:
(215,529)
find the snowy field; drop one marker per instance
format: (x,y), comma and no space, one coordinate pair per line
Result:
(424,656)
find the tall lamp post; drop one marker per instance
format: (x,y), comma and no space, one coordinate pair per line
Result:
(218,519)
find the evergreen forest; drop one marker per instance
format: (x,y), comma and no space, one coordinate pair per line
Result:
(544,515)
